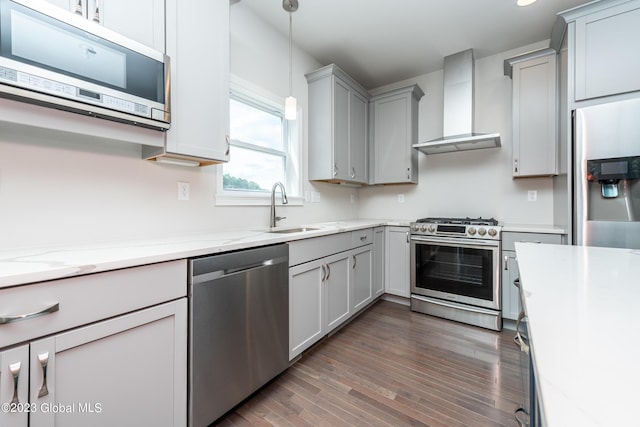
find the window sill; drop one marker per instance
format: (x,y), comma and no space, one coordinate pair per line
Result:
(248,199)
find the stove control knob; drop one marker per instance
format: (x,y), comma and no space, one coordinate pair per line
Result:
(423,228)
(471,231)
(492,232)
(482,231)
(432,229)
(415,227)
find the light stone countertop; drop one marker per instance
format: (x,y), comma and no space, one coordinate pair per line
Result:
(582,308)
(533,228)
(23,266)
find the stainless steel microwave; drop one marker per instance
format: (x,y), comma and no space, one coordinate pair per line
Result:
(52,57)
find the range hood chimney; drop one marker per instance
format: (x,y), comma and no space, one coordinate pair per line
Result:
(458,110)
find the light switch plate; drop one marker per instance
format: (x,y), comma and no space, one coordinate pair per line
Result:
(184,191)
(532,195)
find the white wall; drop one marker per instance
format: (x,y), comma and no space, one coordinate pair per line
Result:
(472,183)
(57,189)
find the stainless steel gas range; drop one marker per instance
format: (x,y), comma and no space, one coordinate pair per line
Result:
(455,270)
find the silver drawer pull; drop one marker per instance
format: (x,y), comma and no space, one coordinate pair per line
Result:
(355,261)
(15,372)
(363,238)
(516,283)
(44,361)
(10,318)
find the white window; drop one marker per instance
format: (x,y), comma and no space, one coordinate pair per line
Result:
(264,149)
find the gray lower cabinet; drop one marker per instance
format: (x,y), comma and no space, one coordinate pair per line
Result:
(394,130)
(330,279)
(100,359)
(362,270)
(378,261)
(511,305)
(397,278)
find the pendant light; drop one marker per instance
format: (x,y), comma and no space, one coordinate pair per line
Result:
(290,103)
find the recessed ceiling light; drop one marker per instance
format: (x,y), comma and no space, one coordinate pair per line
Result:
(525,2)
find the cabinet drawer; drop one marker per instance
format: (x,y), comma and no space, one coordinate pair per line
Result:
(87,299)
(301,251)
(361,237)
(509,238)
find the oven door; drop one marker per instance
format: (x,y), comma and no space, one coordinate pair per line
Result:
(456,269)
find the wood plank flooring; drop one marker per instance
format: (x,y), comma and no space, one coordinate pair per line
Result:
(394,367)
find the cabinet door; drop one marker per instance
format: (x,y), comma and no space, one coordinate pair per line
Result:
(534,117)
(140,20)
(362,268)
(338,289)
(341,95)
(605,62)
(14,381)
(306,316)
(199,79)
(358,153)
(397,279)
(378,261)
(130,370)
(511,305)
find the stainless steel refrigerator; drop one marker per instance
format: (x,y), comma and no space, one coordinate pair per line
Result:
(606,184)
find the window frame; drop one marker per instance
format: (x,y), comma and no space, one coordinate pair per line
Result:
(259,98)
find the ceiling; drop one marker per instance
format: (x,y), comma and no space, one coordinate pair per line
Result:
(379,42)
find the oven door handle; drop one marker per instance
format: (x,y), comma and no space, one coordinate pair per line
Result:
(457,241)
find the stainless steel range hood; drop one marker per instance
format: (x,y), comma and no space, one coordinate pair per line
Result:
(458,110)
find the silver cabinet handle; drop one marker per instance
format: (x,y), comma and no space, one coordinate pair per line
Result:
(515,165)
(96,14)
(408,173)
(328,271)
(353,172)
(335,169)
(324,272)
(14,368)
(355,261)
(516,283)
(506,262)
(407,233)
(44,361)
(10,318)
(79,8)
(227,138)
(363,238)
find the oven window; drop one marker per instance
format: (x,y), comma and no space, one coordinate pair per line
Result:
(455,270)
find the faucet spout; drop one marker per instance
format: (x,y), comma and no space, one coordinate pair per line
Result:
(273,219)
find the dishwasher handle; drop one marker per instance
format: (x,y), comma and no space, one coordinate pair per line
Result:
(212,275)
(225,264)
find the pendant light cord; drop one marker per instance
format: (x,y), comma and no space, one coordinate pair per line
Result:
(290,54)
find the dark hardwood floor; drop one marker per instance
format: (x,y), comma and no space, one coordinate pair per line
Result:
(393,367)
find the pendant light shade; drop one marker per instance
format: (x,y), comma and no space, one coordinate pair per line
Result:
(290,102)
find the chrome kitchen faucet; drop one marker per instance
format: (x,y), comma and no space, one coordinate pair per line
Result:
(274,218)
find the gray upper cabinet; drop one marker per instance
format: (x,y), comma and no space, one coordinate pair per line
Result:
(141,20)
(199,84)
(394,130)
(338,127)
(534,114)
(602,39)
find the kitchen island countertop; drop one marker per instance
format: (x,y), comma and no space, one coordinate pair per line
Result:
(582,308)
(30,265)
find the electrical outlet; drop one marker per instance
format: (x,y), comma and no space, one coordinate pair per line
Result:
(315,197)
(183,191)
(352,197)
(532,195)
(400,198)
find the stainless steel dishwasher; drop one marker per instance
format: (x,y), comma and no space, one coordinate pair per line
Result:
(238,327)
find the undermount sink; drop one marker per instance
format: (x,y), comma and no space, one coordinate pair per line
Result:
(291,230)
